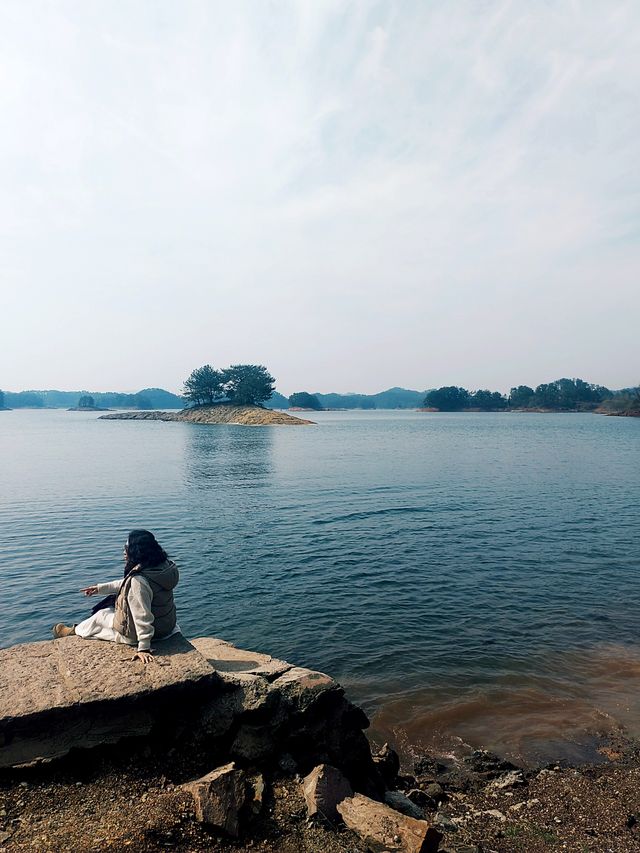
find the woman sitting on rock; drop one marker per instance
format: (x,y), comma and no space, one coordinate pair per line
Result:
(137,608)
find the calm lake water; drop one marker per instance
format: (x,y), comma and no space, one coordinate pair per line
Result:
(467,577)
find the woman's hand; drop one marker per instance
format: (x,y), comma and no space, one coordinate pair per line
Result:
(90,590)
(145,657)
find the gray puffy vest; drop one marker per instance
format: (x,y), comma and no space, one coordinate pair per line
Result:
(162,580)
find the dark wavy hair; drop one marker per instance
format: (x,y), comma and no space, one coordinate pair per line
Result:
(142,549)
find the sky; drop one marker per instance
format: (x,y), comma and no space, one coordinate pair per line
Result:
(356,194)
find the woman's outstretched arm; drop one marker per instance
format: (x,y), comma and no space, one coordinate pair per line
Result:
(103,588)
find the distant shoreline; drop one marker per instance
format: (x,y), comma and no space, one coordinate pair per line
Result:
(532,411)
(168,414)
(89,409)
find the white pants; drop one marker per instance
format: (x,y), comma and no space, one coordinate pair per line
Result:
(100,627)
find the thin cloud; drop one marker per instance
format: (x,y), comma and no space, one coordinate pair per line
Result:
(398,193)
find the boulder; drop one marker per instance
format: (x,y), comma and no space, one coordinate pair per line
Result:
(299,688)
(385,829)
(323,789)
(420,798)
(401,803)
(219,797)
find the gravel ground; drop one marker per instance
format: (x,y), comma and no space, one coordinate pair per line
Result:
(117,804)
(112,807)
(566,809)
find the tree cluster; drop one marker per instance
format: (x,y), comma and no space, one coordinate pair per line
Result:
(240,384)
(23,400)
(53,399)
(625,400)
(392,398)
(304,400)
(86,402)
(560,395)
(452,398)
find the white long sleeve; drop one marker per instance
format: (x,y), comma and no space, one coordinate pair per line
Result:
(139,598)
(110,587)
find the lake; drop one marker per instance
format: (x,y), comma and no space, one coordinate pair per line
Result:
(467,577)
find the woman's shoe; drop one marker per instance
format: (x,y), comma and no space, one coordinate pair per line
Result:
(61,630)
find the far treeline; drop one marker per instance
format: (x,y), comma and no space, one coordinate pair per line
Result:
(569,395)
(252,384)
(563,395)
(149,398)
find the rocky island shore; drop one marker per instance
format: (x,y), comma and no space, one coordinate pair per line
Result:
(218,414)
(218,748)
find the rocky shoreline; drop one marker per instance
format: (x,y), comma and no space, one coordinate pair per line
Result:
(218,748)
(133,799)
(219,414)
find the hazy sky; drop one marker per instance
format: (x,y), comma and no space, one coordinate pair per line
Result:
(356,194)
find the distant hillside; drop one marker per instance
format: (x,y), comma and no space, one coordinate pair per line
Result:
(161,399)
(393,398)
(399,398)
(148,398)
(23,399)
(277,401)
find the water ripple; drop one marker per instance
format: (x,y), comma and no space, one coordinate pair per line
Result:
(425,561)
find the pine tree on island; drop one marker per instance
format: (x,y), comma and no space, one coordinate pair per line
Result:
(237,385)
(248,384)
(204,386)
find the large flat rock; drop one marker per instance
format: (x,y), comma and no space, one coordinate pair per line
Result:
(39,677)
(72,693)
(67,693)
(226,657)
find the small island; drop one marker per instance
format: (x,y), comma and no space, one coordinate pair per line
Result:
(233,395)
(220,413)
(87,403)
